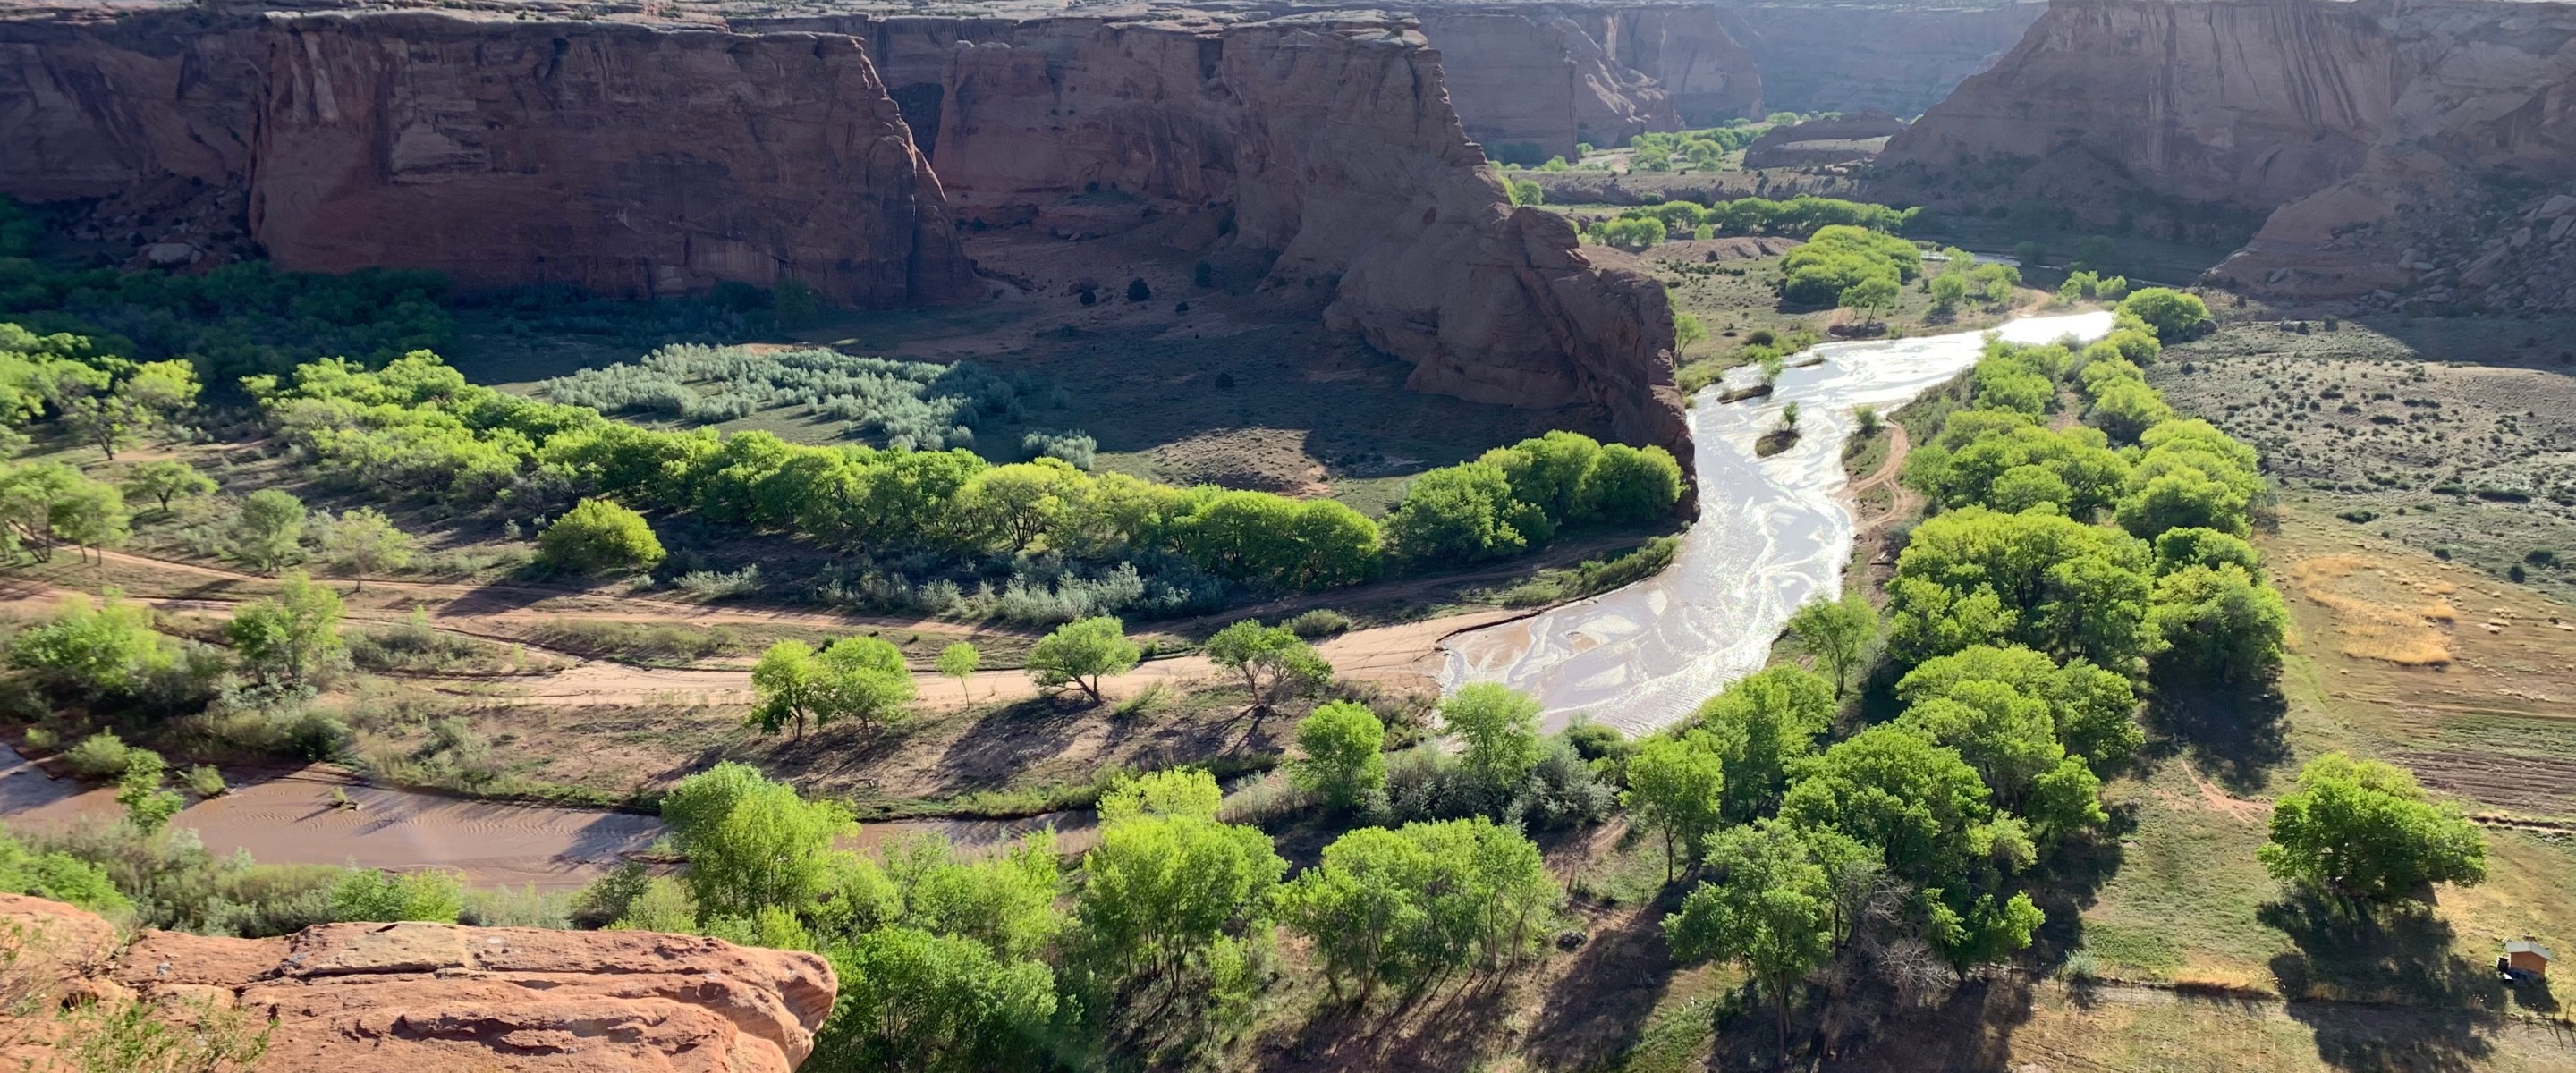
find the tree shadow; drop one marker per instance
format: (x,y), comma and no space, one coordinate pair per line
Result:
(2236,732)
(2403,956)
(1448,1026)
(1011,737)
(1596,1009)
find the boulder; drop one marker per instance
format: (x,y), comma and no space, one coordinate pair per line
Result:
(399,998)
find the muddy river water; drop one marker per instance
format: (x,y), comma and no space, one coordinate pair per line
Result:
(1772,534)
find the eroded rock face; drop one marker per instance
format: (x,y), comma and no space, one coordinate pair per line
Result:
(1847,57)
(2383,147)
(1710,76)
(400,998)
(1531,85)
(1324,141)
(623,158)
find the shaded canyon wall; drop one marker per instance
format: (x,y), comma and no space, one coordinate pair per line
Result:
(2396,148)
(1325,142)
(628,159)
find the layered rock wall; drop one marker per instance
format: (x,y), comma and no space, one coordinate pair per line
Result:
(1710,76)
(399,998)
(1325,141)
(626,159)
(1535,84)
(1848,57)
(2386,147)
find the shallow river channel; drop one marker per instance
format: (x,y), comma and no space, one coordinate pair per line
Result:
(1772,534)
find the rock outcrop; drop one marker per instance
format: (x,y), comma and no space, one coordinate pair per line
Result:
(1710,76)
(399,998)
(1839,140)
(2404,149)
(627,159)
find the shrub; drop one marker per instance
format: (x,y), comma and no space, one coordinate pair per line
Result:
(1320,622)
(105,756)
(598,535)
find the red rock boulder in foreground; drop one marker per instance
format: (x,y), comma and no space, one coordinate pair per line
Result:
(381,998)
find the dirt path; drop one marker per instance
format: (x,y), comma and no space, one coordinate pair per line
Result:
(1902,500)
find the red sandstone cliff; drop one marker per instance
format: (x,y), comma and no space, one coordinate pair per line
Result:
(1847,57)
(1328,142)
(2408,148)
(401,998)
(623,158)
(1533,84)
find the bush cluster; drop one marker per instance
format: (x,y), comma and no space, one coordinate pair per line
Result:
(903,404)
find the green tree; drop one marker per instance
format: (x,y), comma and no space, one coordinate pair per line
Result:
(2219,621)
(104,649)
(1759,727)
(1948,290)
(1081,653)
(857,678)
(1677,786)
(2043,581)
(1772,908)
(1399,907)
(2093,711)
(1871,295)
(2172,314)
(363,541)
(1005,901)
(1498,726)
(147,806)
(1183,792)
(598,535)
(751,843)
(959,660)
(1343,743)
(925,1003)
(1461,513)
(163,480)
(1274,654)
(432,894)
(47,503)
(293,639)
(1629,485)
(2363,831)
(268,534)
(1934,824)
(1159,891)
(1838,633)
(2126,410)
(1688,331)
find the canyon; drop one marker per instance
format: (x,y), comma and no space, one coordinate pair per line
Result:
(2368,148)
(517,151)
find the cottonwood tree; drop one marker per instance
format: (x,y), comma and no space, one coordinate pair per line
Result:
(2362,832)
(1404,906)
(1838,634)
(1344,761)
(1677,786)
(1081,653)
(293,639)
(1758,727)
(596,536)
(862,679)
(163,480)
(751,843)
(1498,726)
(268,533)
(1771,907)
(363,541)
(925,1003)
(1271,654)
(958,660)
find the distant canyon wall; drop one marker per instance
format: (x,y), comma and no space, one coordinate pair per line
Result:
(626,159)
(1900,59)
(2407,148)
(1531,81)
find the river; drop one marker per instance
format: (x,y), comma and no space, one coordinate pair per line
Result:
(1772,534)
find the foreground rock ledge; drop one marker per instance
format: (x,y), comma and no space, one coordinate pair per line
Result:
(364,998)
